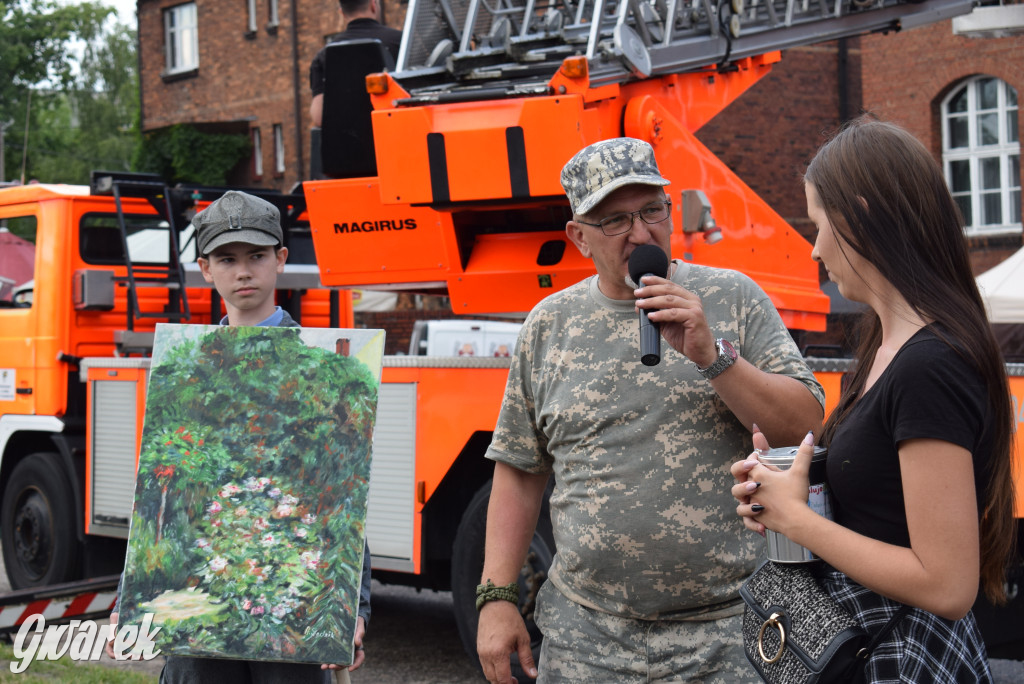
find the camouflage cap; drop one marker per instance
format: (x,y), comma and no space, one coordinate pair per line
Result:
(598,169)
(237,217)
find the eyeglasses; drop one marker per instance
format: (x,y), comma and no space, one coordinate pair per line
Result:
(617,224)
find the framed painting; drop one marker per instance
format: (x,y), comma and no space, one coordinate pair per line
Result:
(247,532)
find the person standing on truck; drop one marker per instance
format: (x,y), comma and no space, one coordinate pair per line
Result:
(363,19)
(240,243)
(919,446)
(644,584)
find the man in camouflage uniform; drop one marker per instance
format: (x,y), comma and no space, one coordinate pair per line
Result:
(650,557)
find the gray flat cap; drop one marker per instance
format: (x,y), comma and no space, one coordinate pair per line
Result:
(237,217)
(599,169)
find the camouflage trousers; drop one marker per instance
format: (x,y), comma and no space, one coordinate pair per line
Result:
(584,645)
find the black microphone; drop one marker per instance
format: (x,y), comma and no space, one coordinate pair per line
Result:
(648,260)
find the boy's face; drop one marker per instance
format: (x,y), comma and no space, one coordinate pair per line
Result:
(245,276)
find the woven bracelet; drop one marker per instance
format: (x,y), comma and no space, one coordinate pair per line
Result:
(489,592)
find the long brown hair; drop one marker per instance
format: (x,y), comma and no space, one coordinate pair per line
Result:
(886,196)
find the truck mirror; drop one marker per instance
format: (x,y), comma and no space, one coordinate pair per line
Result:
(93,290)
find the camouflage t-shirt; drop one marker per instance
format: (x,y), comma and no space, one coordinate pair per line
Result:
(644,523)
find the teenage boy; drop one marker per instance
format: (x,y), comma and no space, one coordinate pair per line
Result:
(241,250)
(239,239)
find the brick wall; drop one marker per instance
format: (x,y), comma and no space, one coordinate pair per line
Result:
(768,135)
(397,324)
(907,75)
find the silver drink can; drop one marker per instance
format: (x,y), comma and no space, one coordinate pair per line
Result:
(781,549)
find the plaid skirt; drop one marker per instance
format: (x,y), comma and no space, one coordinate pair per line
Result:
(922,648)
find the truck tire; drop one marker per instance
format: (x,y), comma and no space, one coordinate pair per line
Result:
(468,563)
(37,524)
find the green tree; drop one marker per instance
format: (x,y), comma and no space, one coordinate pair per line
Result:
(45,77)
(94,123)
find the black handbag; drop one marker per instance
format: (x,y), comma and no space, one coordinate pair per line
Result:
(794,632)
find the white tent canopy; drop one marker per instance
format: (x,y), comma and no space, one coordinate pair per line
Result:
(1002,288)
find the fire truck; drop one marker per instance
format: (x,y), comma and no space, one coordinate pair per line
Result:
(443,177)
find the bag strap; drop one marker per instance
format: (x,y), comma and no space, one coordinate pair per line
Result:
(864,652)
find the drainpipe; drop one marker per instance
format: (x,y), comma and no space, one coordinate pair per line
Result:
(138,67)
(843,80)
(297,92)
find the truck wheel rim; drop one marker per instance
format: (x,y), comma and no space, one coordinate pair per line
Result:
(32,534)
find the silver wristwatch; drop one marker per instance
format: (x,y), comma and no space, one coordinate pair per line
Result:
(726,357)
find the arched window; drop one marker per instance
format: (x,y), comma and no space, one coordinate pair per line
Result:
(981,154)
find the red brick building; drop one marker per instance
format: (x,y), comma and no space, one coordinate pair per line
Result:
(943,86)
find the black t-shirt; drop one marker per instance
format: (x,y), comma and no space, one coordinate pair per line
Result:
(357,28)
(927,391)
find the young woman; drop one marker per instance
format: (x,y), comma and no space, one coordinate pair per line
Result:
(919,445)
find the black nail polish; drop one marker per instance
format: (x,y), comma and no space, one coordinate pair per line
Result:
(757,508)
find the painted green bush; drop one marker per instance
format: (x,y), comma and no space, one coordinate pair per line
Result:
(247,532)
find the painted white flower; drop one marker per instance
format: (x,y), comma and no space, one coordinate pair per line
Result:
(289,499)
(311,559)
(279,611)
(283,510)
(267,539)
(202,543)
(214,508)
(218,564)
(309,519)
(229,489)
(274,492)
(300,532)
(256,484)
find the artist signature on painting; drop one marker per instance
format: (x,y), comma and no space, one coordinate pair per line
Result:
(310,632)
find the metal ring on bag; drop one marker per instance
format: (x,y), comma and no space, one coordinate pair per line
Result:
(772,621)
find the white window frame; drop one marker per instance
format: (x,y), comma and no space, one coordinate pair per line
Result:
(1005,151)
(257,154)
(274,15)
(279,165)
(181,38)
(251,7)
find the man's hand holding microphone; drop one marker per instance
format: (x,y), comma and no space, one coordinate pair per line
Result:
(668,310)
